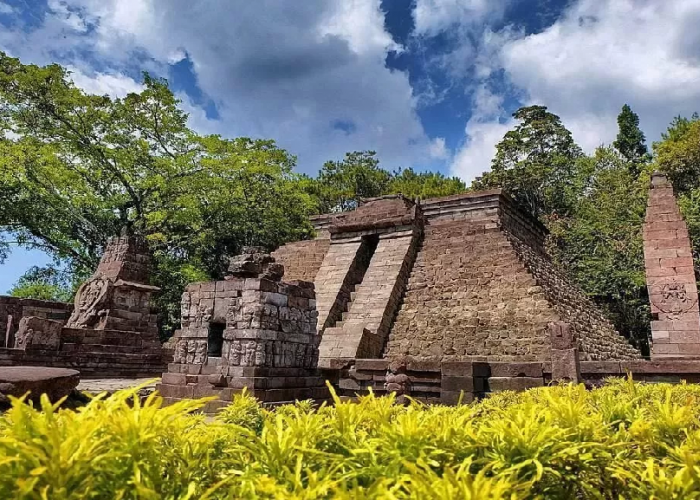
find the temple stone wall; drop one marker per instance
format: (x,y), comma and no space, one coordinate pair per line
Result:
(470,296)
(375,301)
(109,331)
(251,330)
(302,259)
(596,336)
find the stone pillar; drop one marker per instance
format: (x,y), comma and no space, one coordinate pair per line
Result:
(565,360)
(673,295)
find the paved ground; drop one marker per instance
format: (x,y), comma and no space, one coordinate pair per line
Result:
(98,385)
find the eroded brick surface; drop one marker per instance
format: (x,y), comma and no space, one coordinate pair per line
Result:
(302,259)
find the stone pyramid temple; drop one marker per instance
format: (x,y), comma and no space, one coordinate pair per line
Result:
(464,277)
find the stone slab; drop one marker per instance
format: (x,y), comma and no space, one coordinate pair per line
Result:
(37,380)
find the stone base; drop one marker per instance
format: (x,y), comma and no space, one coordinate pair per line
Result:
(271,386)
(37,380)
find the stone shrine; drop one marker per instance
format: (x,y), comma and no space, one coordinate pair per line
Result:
(673,294)
(111,331)
(250,330)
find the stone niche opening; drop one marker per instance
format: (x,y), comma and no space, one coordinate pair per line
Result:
(215,339)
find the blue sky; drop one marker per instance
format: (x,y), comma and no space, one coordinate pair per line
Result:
(429,84)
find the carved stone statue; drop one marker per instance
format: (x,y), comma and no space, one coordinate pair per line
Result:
(185,305)
(90,300)
(200,352)
(23,338)
(180,355)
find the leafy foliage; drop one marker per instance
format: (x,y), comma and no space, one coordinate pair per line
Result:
(342,184)
(678,154)
(535,163)
(630,141)
(424,185)
(593,205)
(46,283)
(624,440)
(600,244)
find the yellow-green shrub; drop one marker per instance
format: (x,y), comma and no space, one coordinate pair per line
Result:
(624,440)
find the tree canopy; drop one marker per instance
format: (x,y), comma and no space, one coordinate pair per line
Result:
(76,168)
(630,141)
(535,163)
(593,205)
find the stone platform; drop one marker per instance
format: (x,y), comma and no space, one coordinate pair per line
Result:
(37,380)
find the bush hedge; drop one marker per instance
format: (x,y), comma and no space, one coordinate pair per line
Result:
(625,440)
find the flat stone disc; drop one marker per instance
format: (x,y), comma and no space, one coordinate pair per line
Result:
(37,380)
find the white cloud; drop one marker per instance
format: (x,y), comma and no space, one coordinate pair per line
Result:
(486,126)
(434,16)
(288,71)
(604,53)
(114,85)
(5,8)
(438,150)
(599,55)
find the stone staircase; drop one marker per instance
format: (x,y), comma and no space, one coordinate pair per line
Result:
(366,317)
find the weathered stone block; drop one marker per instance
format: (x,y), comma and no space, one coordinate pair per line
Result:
(496,384)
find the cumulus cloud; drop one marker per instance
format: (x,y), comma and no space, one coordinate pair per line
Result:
(486,126)
(281,70)
(604,53)
(599,55)
(438,149)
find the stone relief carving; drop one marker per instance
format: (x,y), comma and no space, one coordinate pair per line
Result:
(200,352)
(90,300)
(673,299)
(204,313)
(190,351)
(180,354)
(38,332)
(23,338)
(185,305)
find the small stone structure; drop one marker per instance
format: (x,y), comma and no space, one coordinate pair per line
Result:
(111,331)
(37,380)
(673,294)
(13,309)
(250,330)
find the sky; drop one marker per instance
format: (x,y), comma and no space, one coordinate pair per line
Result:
(428,84)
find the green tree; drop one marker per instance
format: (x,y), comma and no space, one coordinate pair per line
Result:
(342,184)
(600,243)
(76,168)
(45,283)
(678,155)
(630,141)
(424,185)
(535,163)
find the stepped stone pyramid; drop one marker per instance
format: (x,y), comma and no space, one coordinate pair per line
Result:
(463,277)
